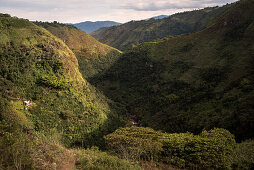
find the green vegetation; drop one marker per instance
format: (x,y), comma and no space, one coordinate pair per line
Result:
(195,90)
(243,156)
(190,82)
(135,32)
(95,159)
(23,148)
(54,82)
(210,150)
(135,143)
(93,56)
(38,67)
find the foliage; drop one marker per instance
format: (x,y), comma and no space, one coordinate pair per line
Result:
(211,149)
(244,155)
(93,56)
(54,82)
(22,150)
(95,159)
(38,67)
(135,143)
(15,148)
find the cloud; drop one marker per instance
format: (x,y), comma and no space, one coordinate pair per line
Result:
(93,10)
(147,5)
(40,5)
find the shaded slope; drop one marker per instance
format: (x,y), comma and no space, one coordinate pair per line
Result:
(93,56)
(121,37)
(191,82)
(36,66)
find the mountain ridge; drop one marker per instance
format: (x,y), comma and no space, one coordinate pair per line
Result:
(39,67)
(94,57)
(135,32)
(158,17)
(90,26)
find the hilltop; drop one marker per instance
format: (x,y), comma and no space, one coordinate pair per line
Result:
(158,17)
(93,56)
(134,32)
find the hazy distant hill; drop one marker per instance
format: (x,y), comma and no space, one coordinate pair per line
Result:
(89,26)
(134,32)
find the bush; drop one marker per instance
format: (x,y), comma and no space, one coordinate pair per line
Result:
(54,81)
(210,149)
(244,155)
(95,159)
(15,148)
(174,148)
(135,143)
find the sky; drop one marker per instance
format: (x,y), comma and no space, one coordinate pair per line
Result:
(74,11)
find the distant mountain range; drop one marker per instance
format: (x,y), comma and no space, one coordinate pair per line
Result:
(90,26)
(135,32)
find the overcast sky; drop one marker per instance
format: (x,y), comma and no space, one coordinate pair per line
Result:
(73,11)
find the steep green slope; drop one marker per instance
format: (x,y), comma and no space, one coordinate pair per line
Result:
(191,82)
(134,32)
(38,67)
(93,56)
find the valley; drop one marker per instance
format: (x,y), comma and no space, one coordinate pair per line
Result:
(179,94)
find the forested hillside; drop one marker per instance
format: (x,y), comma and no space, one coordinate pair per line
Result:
(44,94)
(191,82)
(93,56)
(134,32)
(185,101)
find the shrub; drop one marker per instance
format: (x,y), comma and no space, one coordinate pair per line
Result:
(174,148)
(244,155)
(95,159)
(219,147)
(54,81)
(15,148)
(135,143)
(210,149)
